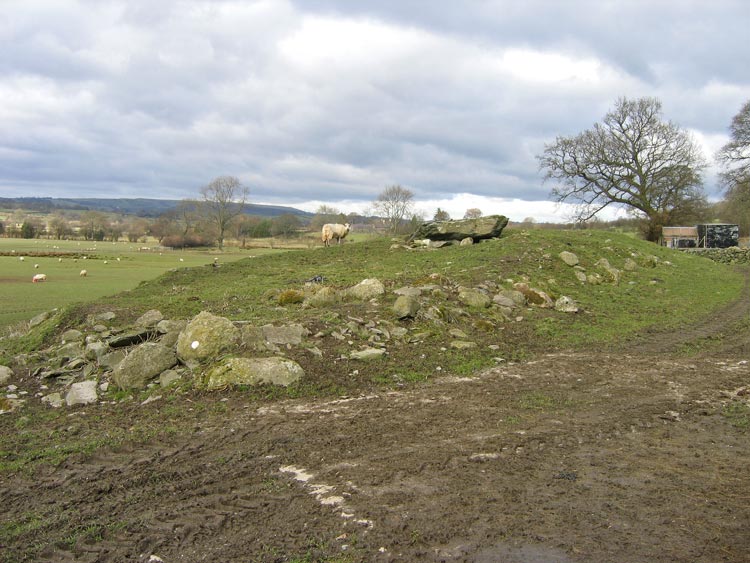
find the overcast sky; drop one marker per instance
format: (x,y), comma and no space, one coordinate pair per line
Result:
(330,101)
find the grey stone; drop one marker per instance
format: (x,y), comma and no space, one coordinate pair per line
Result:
(38,319)
(366,289)
(569,258)
(105,317)
(253,371)
(72,335)
(367,354)
(463,344)
(321,298)
(629,265)
(149,319)
(69,351)
(516,296)
(282,335)
(112,359)
(166,326)
(406,307)
(468,241)
(504,301)
(534,296)
(143,364)
(487,227)
(54,400)
(474,298)
(581,276)
(166,378)
(82,393)
(206,336)
(5,374)
(566,304)
(411,291)
(95,350)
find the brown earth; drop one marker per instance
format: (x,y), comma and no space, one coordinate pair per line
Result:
(630,455)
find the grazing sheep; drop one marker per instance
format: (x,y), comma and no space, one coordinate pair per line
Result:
(83,273)
(39,278)
(36,266)
(21,258)
(334,231)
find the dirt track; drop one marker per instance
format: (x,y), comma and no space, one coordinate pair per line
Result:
(585,457)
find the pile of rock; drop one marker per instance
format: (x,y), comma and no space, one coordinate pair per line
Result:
(212,352)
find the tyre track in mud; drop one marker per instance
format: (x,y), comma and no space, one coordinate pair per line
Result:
(570,458)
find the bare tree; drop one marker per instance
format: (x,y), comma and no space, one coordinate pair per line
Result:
(441,215)
(223,200)
(473,213)
(735,155)
(631,159)
(394,204)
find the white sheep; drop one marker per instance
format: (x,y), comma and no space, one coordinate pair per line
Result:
(39,278)
(36,266)
(334,231)
(83,273)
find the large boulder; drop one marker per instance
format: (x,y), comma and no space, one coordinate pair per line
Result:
(205,337)
(487,227)
(142,365)
(253,371)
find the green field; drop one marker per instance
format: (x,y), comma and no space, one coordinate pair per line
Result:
(20,299)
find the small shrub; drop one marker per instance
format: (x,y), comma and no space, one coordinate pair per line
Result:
(291,297)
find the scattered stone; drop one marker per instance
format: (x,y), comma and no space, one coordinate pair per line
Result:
(463,344)
(321,298)
(95,350)
(72,335)
(406,307)
(283,335)
(474,298)
(82,393)
(39,319)
(366,289)
(410,291)
(253,371)
(149,319)
(143,364)
(167,326)
(566,305)
(504,301)
(534,296)
(458,333)
(468,241)
(5,374)
(581,276)
(54,400)
(629,265)
(166,378)
(569,258)
(105,317)
(367,354)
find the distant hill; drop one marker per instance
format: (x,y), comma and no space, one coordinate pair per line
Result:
(140,207)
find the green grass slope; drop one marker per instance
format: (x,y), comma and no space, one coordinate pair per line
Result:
(670,291)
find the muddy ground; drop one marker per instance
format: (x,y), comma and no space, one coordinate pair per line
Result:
(633,455)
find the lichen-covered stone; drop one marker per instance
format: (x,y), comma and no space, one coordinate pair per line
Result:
(366,289)
(253,371)
(142,365)
(405,307)
(474,298)
(205,337)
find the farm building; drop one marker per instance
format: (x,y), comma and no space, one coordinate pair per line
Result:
(711,235)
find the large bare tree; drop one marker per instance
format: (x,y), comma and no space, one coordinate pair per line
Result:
(735,155)
(395,205)
(632,159)
(223,200)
